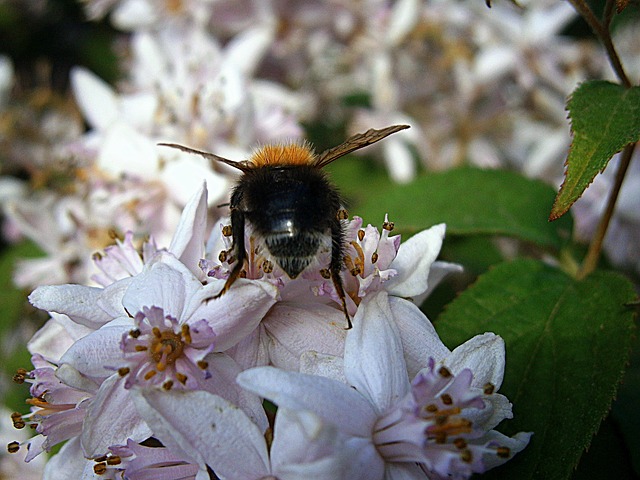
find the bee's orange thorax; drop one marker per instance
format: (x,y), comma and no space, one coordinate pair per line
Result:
(290,154)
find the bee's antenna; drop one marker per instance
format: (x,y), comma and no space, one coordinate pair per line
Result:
(242,166)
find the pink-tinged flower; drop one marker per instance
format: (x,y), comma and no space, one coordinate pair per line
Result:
(123,260)
(160,351)
(225,440)
(438,426)
(14,465)
(57,409)
(176,325)
(135,461)
(308,315)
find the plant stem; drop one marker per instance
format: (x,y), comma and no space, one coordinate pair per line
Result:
(595,247)
(602,31)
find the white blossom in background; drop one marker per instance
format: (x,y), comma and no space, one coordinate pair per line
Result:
(623,236)
(180,85)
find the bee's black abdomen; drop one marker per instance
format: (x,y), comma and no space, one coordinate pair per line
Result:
(293,252)
(292,209)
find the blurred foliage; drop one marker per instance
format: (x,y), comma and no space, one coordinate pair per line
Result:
(46,38)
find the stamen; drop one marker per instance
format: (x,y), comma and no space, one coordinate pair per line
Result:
(388,226)
(141,348)
(114,460)
(222,256)
(348,262)
(444,372)
(448,428)
(167,385)
(150,374)
(18,421)
(488,388)
(123,371)
(466,456)
(360,234)
(503,452)
(460,443)
(135,333)
(359,261)
(100,468)
(446,399)
(325,273)
(343,214)
(182,378)
(13,447)
(227,231)
(267,266)
(374,257)
(202,364)
(20,376)
(186,334)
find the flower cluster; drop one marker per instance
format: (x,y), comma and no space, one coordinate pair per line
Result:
(152,375)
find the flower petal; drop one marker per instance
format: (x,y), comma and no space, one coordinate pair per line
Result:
(188,240)
(329,366)
(234,315)
(68,463)
(165,283)
(403,471)
(97,354)
(413,262)
(112,419)
(515,444)
(224,371)
(96,99)
(483,355)
(304,445)
(124,150)
(220,434)
(295,328)
(332,401)
(373,357)
(55,337)
(76,301)
(439,271)
(419,339)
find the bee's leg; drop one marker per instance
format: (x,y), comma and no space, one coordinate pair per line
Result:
(337,240)
(237,233)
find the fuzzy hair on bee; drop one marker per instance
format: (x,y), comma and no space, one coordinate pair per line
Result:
(291,204)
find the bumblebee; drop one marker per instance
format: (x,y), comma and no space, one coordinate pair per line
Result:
(291,204)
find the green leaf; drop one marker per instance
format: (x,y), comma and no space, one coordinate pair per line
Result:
(14,323)
(567,343)
(12,299)
(604,118)
(469,200)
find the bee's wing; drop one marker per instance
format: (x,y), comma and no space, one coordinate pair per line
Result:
(355,142)
(243,166)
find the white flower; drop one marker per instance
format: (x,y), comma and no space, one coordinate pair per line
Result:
(438,425)
(308,315)
(224,439)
